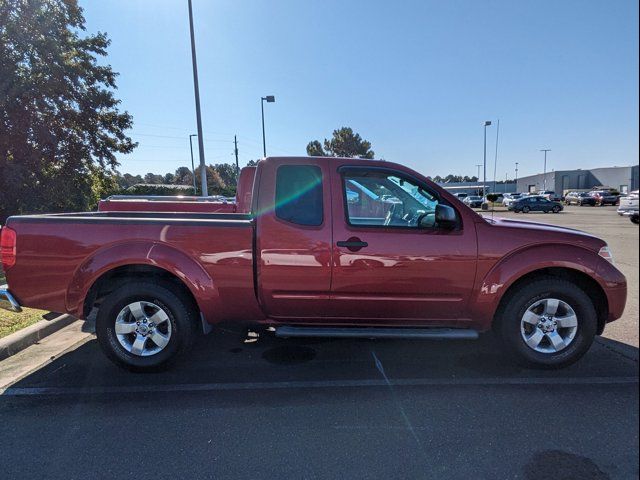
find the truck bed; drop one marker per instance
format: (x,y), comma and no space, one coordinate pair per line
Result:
(60,256)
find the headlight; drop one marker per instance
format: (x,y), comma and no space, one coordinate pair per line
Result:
(605,252)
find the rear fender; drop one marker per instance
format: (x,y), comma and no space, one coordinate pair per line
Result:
(491,289)
(185,268)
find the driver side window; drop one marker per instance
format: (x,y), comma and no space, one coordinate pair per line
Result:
(378,198)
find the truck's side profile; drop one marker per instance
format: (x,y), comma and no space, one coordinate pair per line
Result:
(329,247)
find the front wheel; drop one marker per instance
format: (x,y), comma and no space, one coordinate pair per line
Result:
(556,209)
(526,209)
(548,323)
(144,326)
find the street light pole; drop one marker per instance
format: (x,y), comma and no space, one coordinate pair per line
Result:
(203,170)
(544,177)
(269,99)
(495,160)
(193,167)
(235,151)
(484,177)
(516,176)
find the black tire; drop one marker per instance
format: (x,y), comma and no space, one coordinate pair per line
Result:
(182,316)
(509,318)
(526,209)
(635,219)
(555,209)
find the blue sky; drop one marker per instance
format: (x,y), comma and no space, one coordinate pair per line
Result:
(416,78)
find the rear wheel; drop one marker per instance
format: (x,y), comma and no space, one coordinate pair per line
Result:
(556,209)
(144,326)
(549,323)
(526,209)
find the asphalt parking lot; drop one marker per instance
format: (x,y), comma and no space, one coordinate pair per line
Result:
(264,407)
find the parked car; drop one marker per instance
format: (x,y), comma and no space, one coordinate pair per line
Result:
(536,204)
(308,259)
(460,196)
(629,206)
(604,197)
(509,198)
(579,198)
(473,201)
(549,195)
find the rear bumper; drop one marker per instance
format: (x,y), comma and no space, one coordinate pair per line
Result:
(7,301)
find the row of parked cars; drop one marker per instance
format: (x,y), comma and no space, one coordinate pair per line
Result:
(598,198)
(548,201)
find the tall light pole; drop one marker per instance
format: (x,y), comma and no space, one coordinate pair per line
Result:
(203,170)
(484,177)
(544,177)
(269,99)
(495,160)
(193,167)
(516,176)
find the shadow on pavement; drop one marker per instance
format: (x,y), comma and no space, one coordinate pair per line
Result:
(232,357)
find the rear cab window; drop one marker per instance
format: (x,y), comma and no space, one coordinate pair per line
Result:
(299,195)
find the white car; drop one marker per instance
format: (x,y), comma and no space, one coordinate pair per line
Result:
(509,198)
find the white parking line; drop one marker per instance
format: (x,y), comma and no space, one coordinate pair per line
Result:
(320,384)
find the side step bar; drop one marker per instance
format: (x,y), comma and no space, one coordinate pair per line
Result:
(377,332)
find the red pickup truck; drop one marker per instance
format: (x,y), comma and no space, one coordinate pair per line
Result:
(329,247)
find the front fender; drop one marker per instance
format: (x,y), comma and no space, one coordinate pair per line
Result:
(491,288)
(188,270)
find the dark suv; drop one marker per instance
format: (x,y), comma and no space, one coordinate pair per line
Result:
(536,204)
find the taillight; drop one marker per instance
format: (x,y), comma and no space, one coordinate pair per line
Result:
(7,247)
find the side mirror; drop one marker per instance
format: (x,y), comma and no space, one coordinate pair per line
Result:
(446,216)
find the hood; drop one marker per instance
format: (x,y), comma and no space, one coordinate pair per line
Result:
(549,233)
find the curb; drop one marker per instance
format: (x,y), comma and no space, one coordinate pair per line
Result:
(17,341)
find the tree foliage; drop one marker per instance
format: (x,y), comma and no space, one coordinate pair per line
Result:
(343,143)
(454,179)
(60,125)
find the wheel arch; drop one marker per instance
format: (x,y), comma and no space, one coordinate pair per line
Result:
(115,264)
(570,262)
(585,282)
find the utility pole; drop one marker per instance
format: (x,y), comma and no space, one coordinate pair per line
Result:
(516,176)
(203,170)
(235,150)
(484,177)
(193,167)
(544,177)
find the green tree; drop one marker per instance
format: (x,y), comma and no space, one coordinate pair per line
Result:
(153,178)
(168,179)
(343,143)
(183,176)
(60,125)
(227,173)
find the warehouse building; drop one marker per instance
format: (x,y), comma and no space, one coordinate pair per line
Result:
(623,179)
